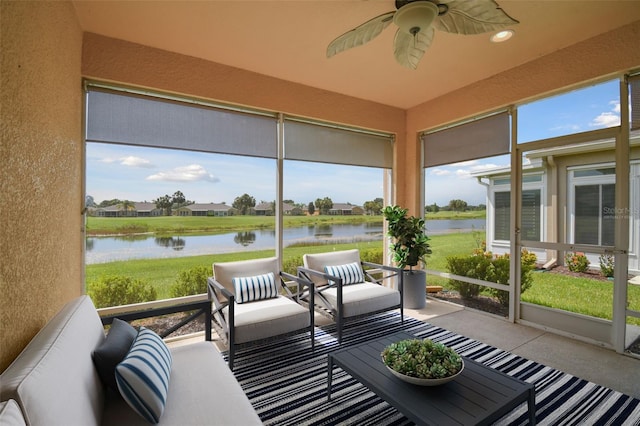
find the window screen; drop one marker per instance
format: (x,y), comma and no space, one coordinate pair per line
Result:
(324,144)
(485,137)
(124,118)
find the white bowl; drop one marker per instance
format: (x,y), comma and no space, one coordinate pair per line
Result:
(424,382)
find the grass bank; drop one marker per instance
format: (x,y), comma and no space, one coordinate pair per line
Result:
(215,225)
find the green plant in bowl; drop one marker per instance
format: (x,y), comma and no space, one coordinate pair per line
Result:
(426,361)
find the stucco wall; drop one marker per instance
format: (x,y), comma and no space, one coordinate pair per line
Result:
(603,55)
(41,168)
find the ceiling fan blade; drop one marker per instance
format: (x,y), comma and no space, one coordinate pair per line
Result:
(473,17)
(361,34)
(408,49)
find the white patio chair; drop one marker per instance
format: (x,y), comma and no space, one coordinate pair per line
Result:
(252,301)
(344,289)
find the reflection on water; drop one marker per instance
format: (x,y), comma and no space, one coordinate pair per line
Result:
(109,249)
(244,238)
(176,243)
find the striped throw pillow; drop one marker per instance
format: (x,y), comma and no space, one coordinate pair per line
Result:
(351,273)
(258,287)
(143,375)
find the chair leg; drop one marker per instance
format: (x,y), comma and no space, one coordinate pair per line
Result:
(231,355)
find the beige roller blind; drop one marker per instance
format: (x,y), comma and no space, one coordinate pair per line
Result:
(125,118)
(634,89)
(315,142)
(485,137)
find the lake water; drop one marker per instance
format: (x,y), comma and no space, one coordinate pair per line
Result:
(109,249)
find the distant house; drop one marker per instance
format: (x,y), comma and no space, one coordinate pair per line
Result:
(137,210)
(210,209)
(266,209)
(568,195)
(342,209)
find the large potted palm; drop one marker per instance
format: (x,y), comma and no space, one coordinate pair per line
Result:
(409,246)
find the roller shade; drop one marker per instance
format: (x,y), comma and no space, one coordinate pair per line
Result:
(481,138)
(124,118)
(313,142)
(634,89)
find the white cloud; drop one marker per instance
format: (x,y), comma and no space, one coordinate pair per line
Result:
(464,163)
(108,160)
(463,174)
(440,172)
(608,118)
(566,127)
(135,162)
(191,173)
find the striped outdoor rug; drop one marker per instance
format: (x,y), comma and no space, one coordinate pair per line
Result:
(287,383)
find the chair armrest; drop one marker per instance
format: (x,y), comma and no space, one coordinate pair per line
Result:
(202,307)
(214,286)
(307,273)
(384,267)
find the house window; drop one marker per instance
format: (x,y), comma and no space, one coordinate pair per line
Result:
(593,224)
(531,214)
(593,205)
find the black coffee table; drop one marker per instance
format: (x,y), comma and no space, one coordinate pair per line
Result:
(480,395)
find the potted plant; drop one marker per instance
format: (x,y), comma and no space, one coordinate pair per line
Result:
(422,362)
(409,246)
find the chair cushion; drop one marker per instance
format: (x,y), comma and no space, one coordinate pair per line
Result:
(350,273)
(257,287)
(268,318)
(143,376)
(363,298)
(318,261)
(225,271)
(113,350)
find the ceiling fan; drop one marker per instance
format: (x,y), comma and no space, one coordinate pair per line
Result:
(417,21)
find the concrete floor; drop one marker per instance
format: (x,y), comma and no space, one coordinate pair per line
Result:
(590,362)
(596,364)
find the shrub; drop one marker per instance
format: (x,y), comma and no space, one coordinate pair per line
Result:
(484,266)
(291,264)
(576,262)
(191,281)
(116,290)
(606,265)
(371,255)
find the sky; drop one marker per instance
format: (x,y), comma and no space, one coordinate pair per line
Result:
(144,174)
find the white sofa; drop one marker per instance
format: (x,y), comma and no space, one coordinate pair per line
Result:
(54,381)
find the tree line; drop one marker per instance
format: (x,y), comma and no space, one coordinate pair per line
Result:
(245,203)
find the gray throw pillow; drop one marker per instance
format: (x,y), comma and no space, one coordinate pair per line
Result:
(113,350)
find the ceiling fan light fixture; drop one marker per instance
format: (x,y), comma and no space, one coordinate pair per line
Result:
(501,36)
(415,16)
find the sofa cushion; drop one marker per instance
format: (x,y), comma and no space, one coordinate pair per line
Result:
(113,350)
(143,375)
(350,273)
(54,376)
(257,287)
(10,414)
(202,391)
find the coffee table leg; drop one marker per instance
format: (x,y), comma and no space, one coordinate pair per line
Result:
(329,377)
(532,406)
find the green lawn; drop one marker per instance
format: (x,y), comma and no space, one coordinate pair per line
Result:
(206,224)
(580,295)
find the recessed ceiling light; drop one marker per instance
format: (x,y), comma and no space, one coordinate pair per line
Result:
(502,36)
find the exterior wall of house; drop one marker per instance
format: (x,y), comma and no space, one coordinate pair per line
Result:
(41,169)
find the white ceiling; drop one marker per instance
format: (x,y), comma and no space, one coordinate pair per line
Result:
(288,40)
